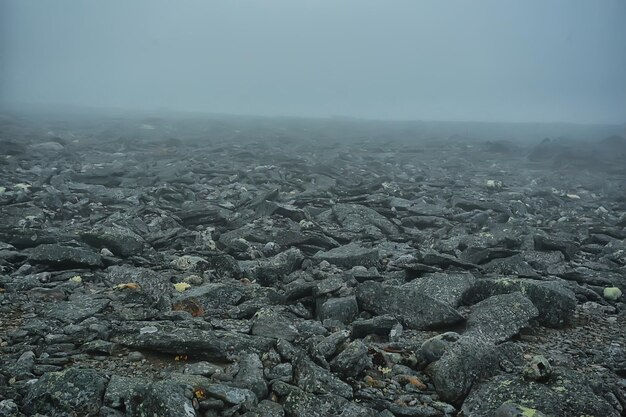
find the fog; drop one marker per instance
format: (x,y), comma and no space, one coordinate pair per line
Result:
(560,60)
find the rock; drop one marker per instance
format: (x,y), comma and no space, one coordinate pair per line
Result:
(539,369)
(509,409)
(317,380)
(189,263)
(500,317)
(8,408)
(355,218)
(271,270)
(447,288)
(569,395)
(275,323)
(232,395)
(135,356)
(349,256)
(57,256)
(414,309)
(74,390)
(119,390)
(435,347)
(353,360)
(202,368)
(379,325)
(163,398)
(171,337)
(612,293)
(154,287)
(120,241)
(344,309)
(250,375)
(464,364)
(77,309)
(555,303)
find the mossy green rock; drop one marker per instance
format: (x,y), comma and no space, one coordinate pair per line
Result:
(612,293)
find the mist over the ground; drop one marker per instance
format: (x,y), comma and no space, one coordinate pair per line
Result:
(537,61)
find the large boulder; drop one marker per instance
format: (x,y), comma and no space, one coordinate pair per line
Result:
(411,307)
(556,304)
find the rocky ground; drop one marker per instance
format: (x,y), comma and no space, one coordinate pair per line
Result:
(153,268)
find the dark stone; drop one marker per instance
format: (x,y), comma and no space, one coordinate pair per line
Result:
(73,391)
(349,256)
(58,256)
(414,309)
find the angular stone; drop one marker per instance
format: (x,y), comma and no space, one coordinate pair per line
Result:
(344,309)
(58,256)
(414,309)
(350,255)
(555,303)
(445,287)
(353,360)
(119,240)
(500,317)
(74,390)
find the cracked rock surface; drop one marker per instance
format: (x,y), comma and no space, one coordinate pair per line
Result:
(291,268)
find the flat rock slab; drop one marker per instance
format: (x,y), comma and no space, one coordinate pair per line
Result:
(120,241)
(57,256)
(500,317)
(76,309)
(445,287)
(555,303)
(562,396)
(411,307)
(171,337)
(349,256)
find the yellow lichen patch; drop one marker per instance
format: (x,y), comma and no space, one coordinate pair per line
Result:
(199,393)
(182,286)
(77,279)
(181,358)
(127,286)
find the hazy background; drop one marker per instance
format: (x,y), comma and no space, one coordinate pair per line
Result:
(482,60)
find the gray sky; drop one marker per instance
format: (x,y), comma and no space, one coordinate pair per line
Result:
(485,60)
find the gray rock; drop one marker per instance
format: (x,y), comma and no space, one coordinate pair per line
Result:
(173,338)
(379,325)
(119,240)
(414,309)
(355,218)
(163,399)
(202,368)
(317,380)
(349,256)
(233,395)
(435,347)
(445,287)
(250,375)
(500,317)
(274,322)
(539,369)
(353,360)
(58,256)
(119,390)
(344,309)
(463,364)
(155,286)
(555,303)
(77,309)
(568,395)
(8,408)
(509,409)
(72,391)
(189,263)
(271,270)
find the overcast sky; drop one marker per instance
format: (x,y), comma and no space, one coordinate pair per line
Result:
(484,60)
